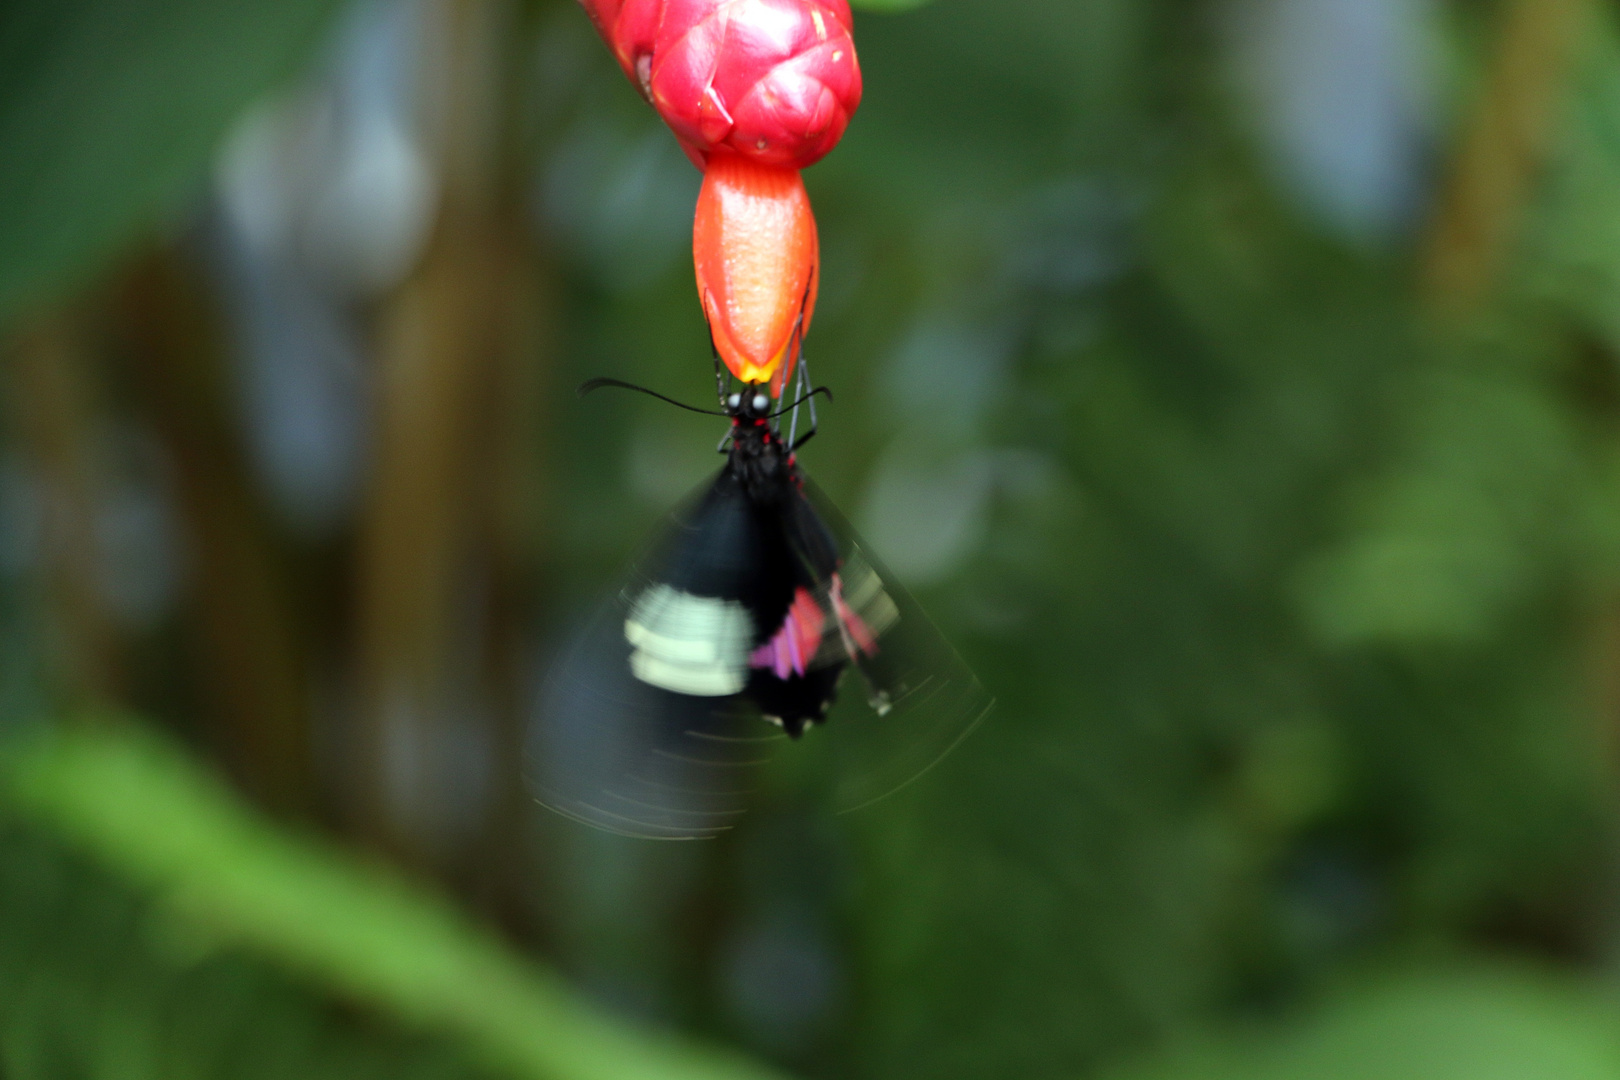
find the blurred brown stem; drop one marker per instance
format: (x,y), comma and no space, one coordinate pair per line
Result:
(1492,176)
(447,343)
(247,645)
(54,409)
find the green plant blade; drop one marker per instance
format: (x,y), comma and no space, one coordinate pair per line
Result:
(1479,1023)
(144,809)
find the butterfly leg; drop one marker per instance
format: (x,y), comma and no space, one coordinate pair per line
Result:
(795,346)
(798,391)
(721,376)
(809,399)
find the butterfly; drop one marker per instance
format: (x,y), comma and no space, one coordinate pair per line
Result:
(753,614)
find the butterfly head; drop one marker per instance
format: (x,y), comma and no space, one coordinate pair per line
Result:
(751,404)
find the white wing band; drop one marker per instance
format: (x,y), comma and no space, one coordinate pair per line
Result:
(688,644)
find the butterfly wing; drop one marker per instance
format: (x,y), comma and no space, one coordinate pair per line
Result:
(642,726)
(614,751)
(908,699)
(652,722)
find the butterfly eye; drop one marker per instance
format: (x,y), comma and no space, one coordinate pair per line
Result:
(734,401)
(761,403)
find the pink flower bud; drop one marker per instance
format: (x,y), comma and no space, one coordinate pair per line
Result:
(772,80)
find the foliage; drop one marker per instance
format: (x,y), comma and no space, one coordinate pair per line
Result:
(1464,1022)
(1298,595)
(109,109)
(220,888)
(97,983)
(887,5)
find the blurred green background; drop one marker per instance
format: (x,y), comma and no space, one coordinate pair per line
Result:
(1236,381)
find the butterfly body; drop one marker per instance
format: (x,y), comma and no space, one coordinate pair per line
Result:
(754,604)
(745,599)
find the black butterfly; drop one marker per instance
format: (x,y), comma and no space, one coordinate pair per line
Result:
(755,605)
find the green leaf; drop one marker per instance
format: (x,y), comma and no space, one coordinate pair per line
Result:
(1485,1024)
(109,109)
(887,5)
(1487,499)
(228,875)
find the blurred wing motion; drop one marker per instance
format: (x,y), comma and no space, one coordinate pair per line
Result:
(911,702)
(740,627)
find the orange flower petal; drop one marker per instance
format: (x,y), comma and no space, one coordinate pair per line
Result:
(757,258)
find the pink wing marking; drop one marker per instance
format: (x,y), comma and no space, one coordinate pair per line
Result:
(855,632)
(793,645)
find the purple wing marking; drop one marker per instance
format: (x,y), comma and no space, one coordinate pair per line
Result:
(794,644)
(792,649)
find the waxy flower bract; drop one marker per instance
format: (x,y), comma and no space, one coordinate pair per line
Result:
(772,80)
(757,259)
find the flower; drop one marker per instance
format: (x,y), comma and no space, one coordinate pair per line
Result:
(757,258)
(775,81)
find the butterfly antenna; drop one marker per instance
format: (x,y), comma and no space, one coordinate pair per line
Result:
(596,384)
